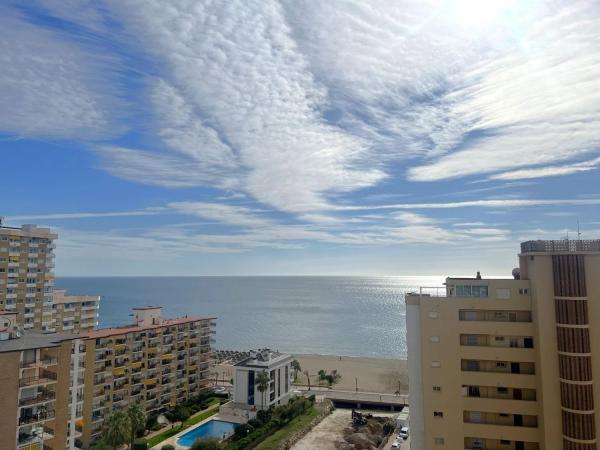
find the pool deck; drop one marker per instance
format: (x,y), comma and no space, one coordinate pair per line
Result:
(173,439)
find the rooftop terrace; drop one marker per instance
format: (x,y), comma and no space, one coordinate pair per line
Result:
(560,246)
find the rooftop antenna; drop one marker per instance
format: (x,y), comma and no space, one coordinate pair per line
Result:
(578,232)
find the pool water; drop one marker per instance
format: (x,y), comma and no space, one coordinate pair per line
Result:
(213,428)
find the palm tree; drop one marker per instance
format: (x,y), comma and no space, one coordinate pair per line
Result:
(262,384)
(137,421)
(307,378)
(296,368)
(117,429)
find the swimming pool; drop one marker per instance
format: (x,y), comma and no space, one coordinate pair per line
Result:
(212,428)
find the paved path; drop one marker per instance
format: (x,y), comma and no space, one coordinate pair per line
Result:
(366,397)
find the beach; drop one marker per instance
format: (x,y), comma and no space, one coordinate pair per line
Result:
(371,374)
(381,375)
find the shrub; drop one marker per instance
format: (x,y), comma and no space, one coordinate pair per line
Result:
(140,444)
(167,447)
(100,445)
(388,428)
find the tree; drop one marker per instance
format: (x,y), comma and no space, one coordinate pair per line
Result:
(99,445)
(296,368)
(262,384)
(332,378)
(307,378)
(167,447)
(137,421)
(206,444)
(117,429)
(181,414)
(322,375)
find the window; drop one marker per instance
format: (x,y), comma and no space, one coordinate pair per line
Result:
(503,293)
(499,338)
(434,339)
(471,291)
(433,314)
(523,291)
(502,390)
(436,364)
(437,389)
(471,339)
(438,441)
(500,364)
(438,414)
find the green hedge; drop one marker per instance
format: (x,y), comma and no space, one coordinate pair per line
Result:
(140,444)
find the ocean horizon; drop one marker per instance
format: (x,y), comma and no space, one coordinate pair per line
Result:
(331,315)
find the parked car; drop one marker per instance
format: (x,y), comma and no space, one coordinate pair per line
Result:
(396,444)
(403,433)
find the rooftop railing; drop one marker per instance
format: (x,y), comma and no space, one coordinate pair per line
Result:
(564,245)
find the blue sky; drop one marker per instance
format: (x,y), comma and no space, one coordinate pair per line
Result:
(299,137)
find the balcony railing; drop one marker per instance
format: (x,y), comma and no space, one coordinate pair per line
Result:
(37,417)
(46,377)
(40,398)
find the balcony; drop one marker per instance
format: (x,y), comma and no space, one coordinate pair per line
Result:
(45,378)
(41,397)
(28,418)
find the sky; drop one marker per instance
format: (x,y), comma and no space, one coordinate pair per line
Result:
(299,137)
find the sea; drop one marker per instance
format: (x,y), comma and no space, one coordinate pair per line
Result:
(346,316)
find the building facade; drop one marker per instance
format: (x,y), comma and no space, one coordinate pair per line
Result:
(75,313)
(246,387)
(38,399)
(156,362)
(507,364)
(26,275)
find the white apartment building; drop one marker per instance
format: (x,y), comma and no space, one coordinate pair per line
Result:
(246,387)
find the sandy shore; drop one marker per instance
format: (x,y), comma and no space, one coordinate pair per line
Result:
(372,374)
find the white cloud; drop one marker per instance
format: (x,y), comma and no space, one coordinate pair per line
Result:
(226,214)
(549,171)
(237,64)
(412,218)
(536,102)
(158,169)
(50,87)
(495,203)
(86,215)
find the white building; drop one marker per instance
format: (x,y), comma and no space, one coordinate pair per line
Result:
(276,365)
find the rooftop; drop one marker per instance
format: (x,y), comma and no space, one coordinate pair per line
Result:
(60,296)
(34,339)
(106,332)
(561,246)
(263,358)
(28,230)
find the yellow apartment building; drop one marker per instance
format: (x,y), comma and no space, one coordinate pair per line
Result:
(26,274)
(156,362)
(508,364)
(38,387)
(75,313)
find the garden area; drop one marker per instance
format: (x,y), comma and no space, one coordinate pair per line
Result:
(131,427)
(271,429)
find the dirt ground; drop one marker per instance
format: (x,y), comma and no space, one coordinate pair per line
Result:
(328,435)
(325,435)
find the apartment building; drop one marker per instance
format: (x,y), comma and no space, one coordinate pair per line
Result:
(38,387)
(156,362)
(26,277)
(75,313)
(278,367)
(507,364)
